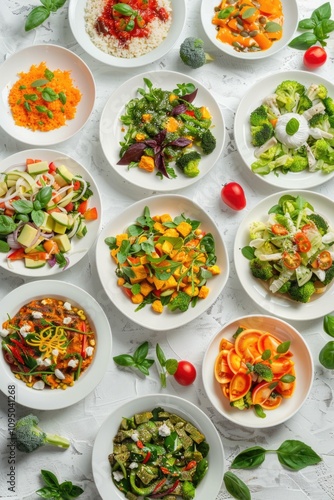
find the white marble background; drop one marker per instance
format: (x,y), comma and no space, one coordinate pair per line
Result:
(227,79)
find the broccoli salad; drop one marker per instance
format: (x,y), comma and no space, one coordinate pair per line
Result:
(165,133)
(293,250)
(293,130)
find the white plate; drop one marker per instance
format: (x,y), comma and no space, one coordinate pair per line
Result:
(290,12)
(303,365)
(56,399)
(103,446)
(56,58)
(111,130)
(174,205)
(273,304)
(79,246)
(251,100)
(76,16)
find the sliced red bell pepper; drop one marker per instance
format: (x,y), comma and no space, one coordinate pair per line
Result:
(16,353)
(190,465)
(52,168)
(17,254)
(147,457)
(84,340)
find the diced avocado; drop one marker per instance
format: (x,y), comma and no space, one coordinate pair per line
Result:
(37,242)
(63,242)
(60,217)
(65,173)
(27,235)
(140,418)
(38,168)
(48,223)
(82,229)
(34,264)
(3,188)
(59,229)
(66,200)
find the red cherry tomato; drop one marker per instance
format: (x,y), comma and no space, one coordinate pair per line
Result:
(314,57)
(233,195)
(185,373)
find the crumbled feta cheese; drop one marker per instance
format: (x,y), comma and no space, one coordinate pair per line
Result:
(37,314)
(164,430)
(4,332)
(73,363)
(43,362)
(133,465)
(135,437)
(67,320)
(118,475)
(67,306)
(39,385)
(59,374)
(55,352)
(24,330)
(89,351)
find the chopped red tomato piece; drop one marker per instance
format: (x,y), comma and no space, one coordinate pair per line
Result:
(279,229)
(90,214)
(52,167)
(17,254)
(69,207)
(83,207)
(291,260)
(76,185)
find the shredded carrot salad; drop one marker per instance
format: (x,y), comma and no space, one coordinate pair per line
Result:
(42,99)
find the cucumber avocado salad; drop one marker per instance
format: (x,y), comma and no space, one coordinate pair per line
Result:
(158,454)
(42,207)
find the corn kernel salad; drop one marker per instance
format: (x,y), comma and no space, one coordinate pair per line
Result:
(42,99)
(163,261)
(48,343)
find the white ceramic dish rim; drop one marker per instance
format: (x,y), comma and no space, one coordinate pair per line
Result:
(57,399)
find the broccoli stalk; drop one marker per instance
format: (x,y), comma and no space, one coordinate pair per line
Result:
(188,163)
(192,52)
(29,436)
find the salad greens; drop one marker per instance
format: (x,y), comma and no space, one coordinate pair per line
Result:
(39,14)
(161,126)
(157,453)
(139,359)
(292,250)
(58,491)
(326,355)
(316,28)
(293,130)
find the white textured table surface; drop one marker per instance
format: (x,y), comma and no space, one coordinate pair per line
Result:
(228,80)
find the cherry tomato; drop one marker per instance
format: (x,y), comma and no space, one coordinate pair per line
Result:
(302,241)
(233,195)
(314,57)
(323,261)
(279,229)
(185,373)
(291,260)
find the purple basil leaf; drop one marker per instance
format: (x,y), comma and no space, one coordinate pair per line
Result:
(151,143)
(160,164)
(180,108)
(160,137)
(190,97)
(133,153)
(182,142)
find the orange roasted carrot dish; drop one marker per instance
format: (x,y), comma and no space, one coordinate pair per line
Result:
(48,343)
(249,26)
(42,99)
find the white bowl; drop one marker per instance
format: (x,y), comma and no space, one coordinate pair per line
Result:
(161,204)
(80,247)
(77,22)
(56,399)
(271,303)
(55,57)
(112,130)
(303,366)
(290,13)
(103,445)
(254,98)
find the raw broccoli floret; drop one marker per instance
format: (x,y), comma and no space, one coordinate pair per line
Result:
(285,288)
(286,94)
(261,269)
(256,229)
(181,302)
(329,275)
(284,162)
(319,222)
(29,436)
(298,164)
(320,120)
(304,104)
(259,116)
(243,403)
(329,105)
(192,52)
(316,91)
(302,293)
(188,163)
(322,150)
(208,142)
(261,133)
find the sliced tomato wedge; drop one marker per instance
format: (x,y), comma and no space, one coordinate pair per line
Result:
(91,214)
(279,229)
(281,366)
(246,344)
(222,372)
(225,345)
(262,392)
(291,260)
(234,361)
(240,385)
(324,260)
(82,208)
(272,402)
(302,241)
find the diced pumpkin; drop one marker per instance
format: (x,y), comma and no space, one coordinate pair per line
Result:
(145,288)
(165,218)
(140,273)
(184,228)
(137,298)
(120,238)
(214,269)
(157,306)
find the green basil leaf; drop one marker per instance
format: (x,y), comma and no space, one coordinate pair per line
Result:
(292,126)
(287,379)
(49,114)
(124,9)
(135,289)
(296,455)
(248,12)
(58,3)
(44,195)
(49,478)
(142,369)
(49,75)
(123,253)
(22,206)
(306,24)
(259,411)
(26,105)
(141,352)
(272,27)
(124,360)
(171,366)
(248,252)
(160,355)
(37,217)
(304,41)
(266,354)
(47,4)
(264,371)
(326,355)
(41,109)
(49,492)
(7,225)
(236,487)
(147,362)
(4,247)
(66,487)
(60,259)
(327,26)
(49,95)
(322,12)
(75,491)
(249,458)
(283,347)
(130,26)
(111,242)
(38,84)
(30,97)
(328,325)
(36,17)
(62,97)
(223,14)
